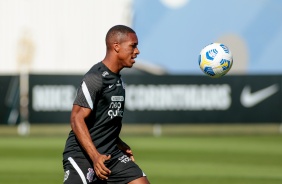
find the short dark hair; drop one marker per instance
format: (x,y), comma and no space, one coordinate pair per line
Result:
(117,32)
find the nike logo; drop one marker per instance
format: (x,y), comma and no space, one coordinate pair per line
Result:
(249,99)
(110,86)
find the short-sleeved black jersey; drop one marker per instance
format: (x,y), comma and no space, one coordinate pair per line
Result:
(103,92)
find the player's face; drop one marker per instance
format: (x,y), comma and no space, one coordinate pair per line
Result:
(128,50)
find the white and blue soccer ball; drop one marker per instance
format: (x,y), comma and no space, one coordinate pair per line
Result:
(215,60)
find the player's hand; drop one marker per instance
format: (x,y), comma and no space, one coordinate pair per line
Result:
(130,154)
(100,169)
(126,149)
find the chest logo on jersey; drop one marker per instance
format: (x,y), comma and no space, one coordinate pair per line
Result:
(105,73)
(117,98)
(118,83)
(116,107)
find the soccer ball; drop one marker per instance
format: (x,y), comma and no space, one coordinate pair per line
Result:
(215,60)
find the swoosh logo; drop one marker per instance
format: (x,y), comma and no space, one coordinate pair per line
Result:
(249,99)
(110,86)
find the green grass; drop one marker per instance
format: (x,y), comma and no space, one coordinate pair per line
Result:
(205,159)
(211,159)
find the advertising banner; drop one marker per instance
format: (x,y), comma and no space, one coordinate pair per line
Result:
(9,100)
(51,97)
(182,99)
(169,99)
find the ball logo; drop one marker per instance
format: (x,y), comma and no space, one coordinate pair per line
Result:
(209,71)
(211,54)
(225,48)
(225,64)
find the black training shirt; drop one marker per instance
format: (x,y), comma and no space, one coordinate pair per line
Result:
(103,92)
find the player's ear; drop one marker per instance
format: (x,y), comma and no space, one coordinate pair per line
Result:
(116,47)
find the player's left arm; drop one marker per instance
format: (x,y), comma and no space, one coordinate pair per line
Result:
(125,148)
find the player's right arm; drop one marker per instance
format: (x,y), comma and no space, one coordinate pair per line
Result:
(78,125)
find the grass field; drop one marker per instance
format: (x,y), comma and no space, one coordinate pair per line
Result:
(197,159)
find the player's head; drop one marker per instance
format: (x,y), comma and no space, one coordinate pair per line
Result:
(122,41)
(117,34)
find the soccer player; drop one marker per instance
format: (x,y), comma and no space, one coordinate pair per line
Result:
(94,152)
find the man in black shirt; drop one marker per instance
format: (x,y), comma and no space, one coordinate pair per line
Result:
(94,152)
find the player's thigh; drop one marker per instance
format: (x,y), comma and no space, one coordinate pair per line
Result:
(124,170)
(142,180)
(79,171)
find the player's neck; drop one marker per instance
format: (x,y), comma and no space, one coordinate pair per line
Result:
(111,65)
